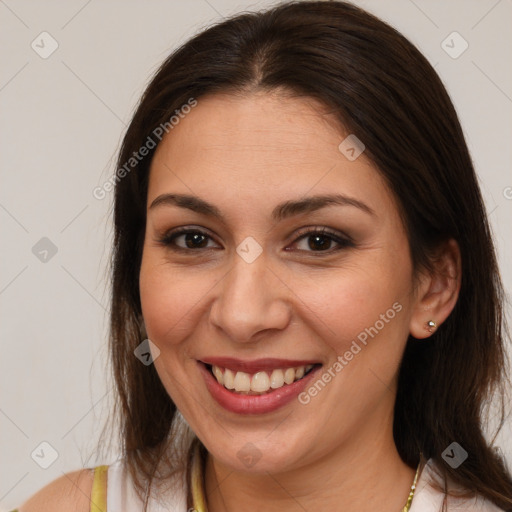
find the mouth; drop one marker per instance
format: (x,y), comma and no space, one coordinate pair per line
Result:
(256,387)
(261,382)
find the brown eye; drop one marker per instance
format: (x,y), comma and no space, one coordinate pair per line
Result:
(190,239)
(194,240)
(321,240)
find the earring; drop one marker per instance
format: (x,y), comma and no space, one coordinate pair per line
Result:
(431,326)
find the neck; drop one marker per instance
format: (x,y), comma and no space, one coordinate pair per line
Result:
(364,476)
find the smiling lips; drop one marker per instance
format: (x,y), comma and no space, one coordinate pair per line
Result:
(258,386)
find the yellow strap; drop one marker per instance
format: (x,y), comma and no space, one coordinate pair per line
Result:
(99,490)
(198,499)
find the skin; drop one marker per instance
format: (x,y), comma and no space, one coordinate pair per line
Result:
(246,155)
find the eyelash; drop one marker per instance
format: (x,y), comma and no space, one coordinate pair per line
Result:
(343,241)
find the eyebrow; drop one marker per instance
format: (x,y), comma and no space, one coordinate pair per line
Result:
(280,212)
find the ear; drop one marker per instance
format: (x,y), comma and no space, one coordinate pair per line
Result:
(437,291)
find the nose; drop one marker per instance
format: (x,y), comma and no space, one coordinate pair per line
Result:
(251,299)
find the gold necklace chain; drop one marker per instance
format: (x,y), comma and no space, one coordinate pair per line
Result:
(413,488)
(197,490)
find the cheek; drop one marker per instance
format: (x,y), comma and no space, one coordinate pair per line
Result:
(170,298)
(347,304)
(362,316)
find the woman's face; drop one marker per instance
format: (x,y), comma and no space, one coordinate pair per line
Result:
(248,290)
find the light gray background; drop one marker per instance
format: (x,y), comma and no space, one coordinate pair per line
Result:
(62,120)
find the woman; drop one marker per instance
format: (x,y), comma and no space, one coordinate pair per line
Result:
(306,307)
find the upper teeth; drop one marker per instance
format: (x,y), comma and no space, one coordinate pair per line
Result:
(260,382)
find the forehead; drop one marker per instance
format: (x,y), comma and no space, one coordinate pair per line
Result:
(260,149)
(261,123)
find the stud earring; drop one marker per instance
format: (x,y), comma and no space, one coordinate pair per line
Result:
(431,326)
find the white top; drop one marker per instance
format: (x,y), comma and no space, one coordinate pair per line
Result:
(121,496)
(428,499)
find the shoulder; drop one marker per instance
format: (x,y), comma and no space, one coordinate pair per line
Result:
(69,493)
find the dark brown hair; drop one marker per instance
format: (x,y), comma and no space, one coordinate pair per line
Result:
(383,90)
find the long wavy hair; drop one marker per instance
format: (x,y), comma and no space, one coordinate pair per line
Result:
(383,90)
